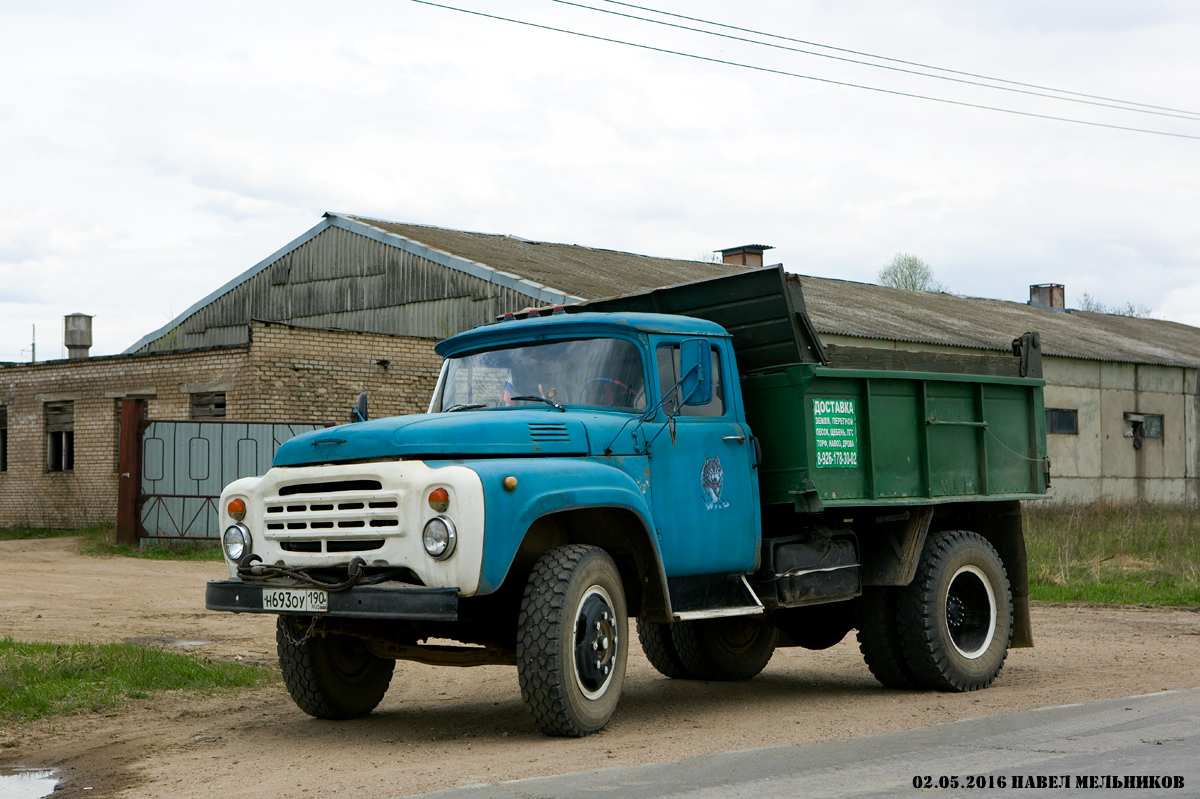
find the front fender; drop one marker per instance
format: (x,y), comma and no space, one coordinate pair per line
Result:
(545,486)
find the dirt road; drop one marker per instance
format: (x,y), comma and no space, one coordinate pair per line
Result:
(444,727)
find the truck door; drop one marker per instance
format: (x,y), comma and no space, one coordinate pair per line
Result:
(704,487)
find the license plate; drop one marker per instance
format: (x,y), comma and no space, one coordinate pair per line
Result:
(289,599)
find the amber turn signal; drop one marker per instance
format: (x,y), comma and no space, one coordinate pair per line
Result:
(237,509)
(439,500)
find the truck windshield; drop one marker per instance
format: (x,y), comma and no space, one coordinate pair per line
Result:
(595,372)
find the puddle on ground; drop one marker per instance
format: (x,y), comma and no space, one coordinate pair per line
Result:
(26,783)
(166,642)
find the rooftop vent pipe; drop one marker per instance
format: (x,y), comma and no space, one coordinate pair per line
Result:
(746,255)
(1048,295)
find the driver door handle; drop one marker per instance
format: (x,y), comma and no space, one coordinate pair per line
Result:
(738,439)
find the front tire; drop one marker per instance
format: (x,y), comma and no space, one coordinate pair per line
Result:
(330,676)
(572,641)
(956,615)
(731,648)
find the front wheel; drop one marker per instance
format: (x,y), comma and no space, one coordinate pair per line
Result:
(956,615)
(572,641)
(330,676)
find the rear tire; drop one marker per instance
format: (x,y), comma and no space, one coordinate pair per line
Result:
(330,676)
(660,649)
(572,641)
(731,648)
(879,637)
(956,615)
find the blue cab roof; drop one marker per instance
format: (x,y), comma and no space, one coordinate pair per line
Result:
(571,324)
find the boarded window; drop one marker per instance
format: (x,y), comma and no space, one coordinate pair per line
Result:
(60,436)
(208,405)
(1064,421)
(3,438)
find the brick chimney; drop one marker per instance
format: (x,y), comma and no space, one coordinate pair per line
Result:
(746,255)
(1048,295)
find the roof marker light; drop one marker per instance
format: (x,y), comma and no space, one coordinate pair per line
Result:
(508,316)
(533,313)
(559,309)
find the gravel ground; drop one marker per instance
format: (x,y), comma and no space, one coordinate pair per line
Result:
(442,727)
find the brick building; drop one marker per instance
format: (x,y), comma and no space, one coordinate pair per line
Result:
(60,419)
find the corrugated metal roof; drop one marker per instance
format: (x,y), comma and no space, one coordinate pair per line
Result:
(860,310)
(864,310)
(551,273)
(585,272)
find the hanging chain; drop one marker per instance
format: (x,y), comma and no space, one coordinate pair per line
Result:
(312,625)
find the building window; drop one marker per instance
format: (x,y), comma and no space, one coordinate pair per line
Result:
(60,436)
(1153,425)
(208,405)
(1062,420)
(3,438)
(1140,426)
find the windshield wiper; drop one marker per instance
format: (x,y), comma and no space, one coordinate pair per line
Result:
(531,398)
(464,406)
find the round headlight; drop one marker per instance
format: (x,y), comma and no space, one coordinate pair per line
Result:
(439,537)
(236,541)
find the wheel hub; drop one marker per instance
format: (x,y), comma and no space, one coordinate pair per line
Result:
(595,643)
(970,612)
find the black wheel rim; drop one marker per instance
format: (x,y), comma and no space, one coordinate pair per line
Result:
(595,642)
(349,657)
(970,612)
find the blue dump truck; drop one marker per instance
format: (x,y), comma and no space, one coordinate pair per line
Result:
(694,457)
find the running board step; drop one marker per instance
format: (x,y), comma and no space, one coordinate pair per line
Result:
(711,596)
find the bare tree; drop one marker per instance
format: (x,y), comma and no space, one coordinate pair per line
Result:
(909,272)
(1089,303)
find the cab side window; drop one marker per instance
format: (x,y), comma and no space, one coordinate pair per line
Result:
(667,358)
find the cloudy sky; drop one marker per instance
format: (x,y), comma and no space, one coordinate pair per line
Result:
(150,151)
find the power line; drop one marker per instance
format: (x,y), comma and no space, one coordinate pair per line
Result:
(899,60)
(787,74)
(1194,118)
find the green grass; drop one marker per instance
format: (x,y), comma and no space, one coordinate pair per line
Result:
(1136,554)
(40,681)
(102,540)
(26,533)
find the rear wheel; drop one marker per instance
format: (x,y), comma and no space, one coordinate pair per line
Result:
(732,648)
(956,615)
(660,649)
(572,641)
(330,676)
(879,637)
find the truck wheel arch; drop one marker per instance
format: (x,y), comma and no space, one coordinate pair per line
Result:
(619,531)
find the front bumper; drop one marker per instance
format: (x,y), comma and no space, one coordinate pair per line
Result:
(366,602)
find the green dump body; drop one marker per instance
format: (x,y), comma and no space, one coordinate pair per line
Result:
(847,437)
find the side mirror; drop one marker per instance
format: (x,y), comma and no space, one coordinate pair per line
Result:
(695,366)
(358,413)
